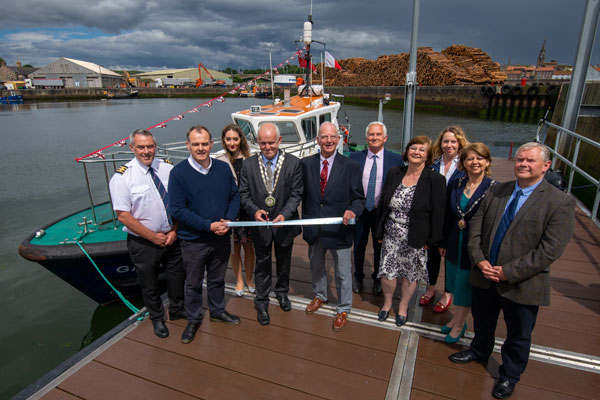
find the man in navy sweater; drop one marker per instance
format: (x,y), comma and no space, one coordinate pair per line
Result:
(203,198)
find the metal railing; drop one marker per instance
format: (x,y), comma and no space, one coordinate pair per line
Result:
(541,135)
(173,151)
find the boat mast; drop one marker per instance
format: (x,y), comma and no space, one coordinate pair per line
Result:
(307,38)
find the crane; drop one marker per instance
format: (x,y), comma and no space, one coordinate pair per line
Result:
(199,81)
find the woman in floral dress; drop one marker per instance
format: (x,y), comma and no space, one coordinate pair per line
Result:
(409,220)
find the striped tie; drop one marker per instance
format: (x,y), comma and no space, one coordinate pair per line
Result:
(323,177)
(371,185)
(164,196)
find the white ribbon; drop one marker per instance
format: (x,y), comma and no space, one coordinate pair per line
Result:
(309,221)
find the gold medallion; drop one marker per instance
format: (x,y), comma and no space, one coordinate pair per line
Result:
(461,224)
(270,201)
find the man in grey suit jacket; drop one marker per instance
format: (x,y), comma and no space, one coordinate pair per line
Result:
(332,188)
(519,230)
(271,187)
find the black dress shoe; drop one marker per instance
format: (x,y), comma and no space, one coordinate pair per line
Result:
(400,320)
(174,316)
(356,285)
(377,287)
(160,329)
(284,302)
(503,389)
(262,315)
(383,315)
(463,357)
(226,318)
(189,332)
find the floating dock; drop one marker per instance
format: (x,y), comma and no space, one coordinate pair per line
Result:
(298,356)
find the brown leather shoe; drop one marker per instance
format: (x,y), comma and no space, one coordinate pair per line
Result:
(340,321)
(314,305)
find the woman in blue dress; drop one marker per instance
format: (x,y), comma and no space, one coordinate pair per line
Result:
(464,196)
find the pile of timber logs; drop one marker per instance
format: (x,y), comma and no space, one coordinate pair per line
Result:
(456,65)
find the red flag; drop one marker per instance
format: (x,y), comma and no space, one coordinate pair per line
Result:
(302,63)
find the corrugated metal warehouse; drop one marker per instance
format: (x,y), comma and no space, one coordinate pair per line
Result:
(79,74)
(190,73)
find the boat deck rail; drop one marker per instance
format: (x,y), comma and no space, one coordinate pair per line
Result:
(561,135)
(173,150)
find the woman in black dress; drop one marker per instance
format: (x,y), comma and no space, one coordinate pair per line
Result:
(236,151)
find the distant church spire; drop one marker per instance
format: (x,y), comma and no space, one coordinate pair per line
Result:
(542,56)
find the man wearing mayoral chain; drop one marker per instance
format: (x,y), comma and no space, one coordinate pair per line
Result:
(271,190)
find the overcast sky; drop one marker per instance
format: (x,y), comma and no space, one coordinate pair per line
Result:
(150,34)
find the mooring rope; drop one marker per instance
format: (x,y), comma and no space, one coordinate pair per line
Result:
(129,305)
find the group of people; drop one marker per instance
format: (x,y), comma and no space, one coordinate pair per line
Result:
(435,202)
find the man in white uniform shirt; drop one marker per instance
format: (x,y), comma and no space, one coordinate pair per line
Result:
(138,192)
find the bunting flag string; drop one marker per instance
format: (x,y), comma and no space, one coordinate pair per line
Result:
(98,153)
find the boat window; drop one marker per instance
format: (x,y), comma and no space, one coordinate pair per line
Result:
(324,118)
(247,128)
(287,130)
(309,126)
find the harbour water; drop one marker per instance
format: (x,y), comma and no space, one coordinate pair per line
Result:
(44,320)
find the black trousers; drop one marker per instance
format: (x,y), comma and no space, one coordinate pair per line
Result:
(147,258)
(366,222)
(520,321)
(211,255)
(433,265)
(263,271)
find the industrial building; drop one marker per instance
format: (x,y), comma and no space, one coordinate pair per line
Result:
(79,74)
(193,74)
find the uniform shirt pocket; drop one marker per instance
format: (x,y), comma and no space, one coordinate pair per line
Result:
(140,195)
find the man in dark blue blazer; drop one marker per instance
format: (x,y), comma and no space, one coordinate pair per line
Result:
(375,162)
(331,189)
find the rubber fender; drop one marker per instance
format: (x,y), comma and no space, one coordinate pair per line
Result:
(533,90)
(484,89)
(552,89)
(505,89)
(516,90)
(490,91)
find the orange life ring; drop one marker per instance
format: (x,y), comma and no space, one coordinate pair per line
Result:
(345,133)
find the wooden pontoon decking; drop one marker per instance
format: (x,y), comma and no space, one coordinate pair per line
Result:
(298,356)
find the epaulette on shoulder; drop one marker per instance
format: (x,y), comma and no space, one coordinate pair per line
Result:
(168,161)
(122,169)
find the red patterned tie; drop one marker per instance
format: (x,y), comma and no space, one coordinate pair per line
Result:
(323,177)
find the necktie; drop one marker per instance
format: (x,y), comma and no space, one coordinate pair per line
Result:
(323,177)
(507,218)
(371,185)
(164,196)
(270,174)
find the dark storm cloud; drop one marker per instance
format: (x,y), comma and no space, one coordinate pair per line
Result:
(179,34)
